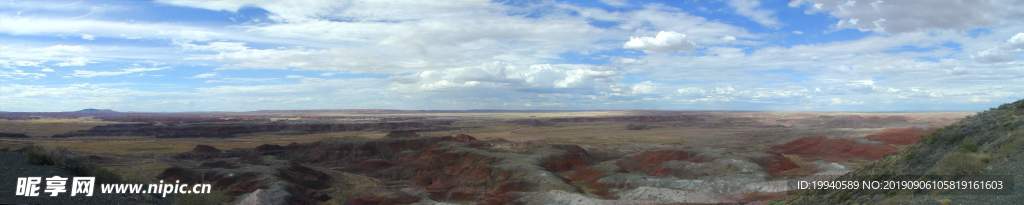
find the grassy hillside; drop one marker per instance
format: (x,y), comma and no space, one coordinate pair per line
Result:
(989,143)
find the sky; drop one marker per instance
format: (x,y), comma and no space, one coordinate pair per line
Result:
(244,55)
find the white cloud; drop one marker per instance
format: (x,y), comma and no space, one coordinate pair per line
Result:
(664,41)
(204,75)
(725,52)
(1002,53)
(898,16)
(442,54)
(59,98)
(20,74)
(656,17)
(74,61)
(615,2)
(498,75)
(646,87)
(396,36)
(126,71)
(360,10)
(1017,41)
(994,55)
(750,9)
(21,25)
(215,46)
(60,55)
(841,101)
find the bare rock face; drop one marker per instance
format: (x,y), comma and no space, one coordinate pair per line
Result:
(650,162)
(449,174)
(775,164)
(573,157)
(835,149)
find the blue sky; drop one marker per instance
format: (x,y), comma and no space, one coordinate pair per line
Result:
(799,55)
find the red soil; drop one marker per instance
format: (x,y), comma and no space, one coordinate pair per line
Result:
(650,162)
(834,149)
(504,193)
(775,164)
(453,175)
(574,157)
(589,177)
(899,136)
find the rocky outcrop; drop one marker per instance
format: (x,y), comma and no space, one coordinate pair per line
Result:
(775,164)
(456,168)
(573,157)
(834,149)
(650,162)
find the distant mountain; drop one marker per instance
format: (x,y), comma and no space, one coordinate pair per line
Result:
(95,111)
(990,143)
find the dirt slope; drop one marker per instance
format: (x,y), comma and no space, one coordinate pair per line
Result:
(989,143)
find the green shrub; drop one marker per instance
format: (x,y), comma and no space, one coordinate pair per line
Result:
(968,147)
(960,163)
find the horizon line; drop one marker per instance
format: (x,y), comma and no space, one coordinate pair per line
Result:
(94,110)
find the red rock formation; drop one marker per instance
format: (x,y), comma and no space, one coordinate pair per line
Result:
(574,157)
(588,176)
(775,164)
(650,162)
(834,149)
(454,175)
(899,136)
(504,193)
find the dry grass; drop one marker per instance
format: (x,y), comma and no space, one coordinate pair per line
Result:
(138,171)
